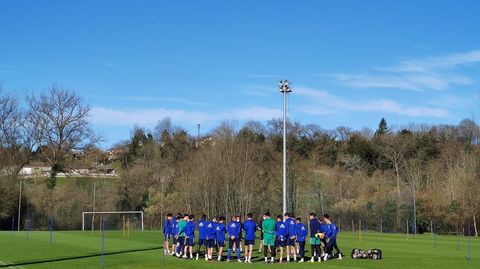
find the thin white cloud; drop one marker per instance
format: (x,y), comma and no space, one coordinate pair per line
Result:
(430,63)
(155,99)
(117,66)
(428,73)
(330,104)
(258,90)
(255,93)
(149,117)
(255,113)
(144,117)
(264,76)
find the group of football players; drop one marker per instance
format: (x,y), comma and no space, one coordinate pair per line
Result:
(285,234)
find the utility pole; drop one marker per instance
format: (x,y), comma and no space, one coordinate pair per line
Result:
(284,89)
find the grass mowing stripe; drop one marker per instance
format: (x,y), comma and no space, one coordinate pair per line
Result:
(17,265)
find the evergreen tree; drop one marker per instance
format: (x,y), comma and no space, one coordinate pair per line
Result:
(382,127)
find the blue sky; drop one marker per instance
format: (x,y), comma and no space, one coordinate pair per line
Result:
(351,62)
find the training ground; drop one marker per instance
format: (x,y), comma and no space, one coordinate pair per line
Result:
(76,249)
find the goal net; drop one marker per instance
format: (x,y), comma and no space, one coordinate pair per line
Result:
(112,220)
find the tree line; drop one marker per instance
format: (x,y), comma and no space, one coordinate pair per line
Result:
(373,176)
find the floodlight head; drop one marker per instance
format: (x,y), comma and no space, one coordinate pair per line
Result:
(284,86)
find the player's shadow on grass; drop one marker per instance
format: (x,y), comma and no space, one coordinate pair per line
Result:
(77,257)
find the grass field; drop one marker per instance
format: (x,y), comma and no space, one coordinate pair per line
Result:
(142,250)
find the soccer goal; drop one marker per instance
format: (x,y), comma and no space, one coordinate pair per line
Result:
(115,219)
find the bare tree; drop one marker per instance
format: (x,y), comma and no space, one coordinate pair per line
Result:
(394,148)
(15,151)
(15,140)
(58,120)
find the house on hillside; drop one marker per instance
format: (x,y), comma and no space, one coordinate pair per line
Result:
(44,170)
(35,169)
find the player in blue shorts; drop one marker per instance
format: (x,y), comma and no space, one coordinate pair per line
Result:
(220,232)
(202,235)
(233,229)
(291,236)
(281,236)
(175,235)
(211,236)
(250,227)
(301,235)
(189,237)
(239,220)
(167,233)
(331,238)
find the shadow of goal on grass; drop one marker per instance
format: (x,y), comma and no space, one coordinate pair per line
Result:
(77,257)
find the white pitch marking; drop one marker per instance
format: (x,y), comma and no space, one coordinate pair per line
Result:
(13,266)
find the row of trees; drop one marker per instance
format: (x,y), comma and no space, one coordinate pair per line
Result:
(51,127)
(367,175)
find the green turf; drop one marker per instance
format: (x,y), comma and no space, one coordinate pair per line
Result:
(82,249)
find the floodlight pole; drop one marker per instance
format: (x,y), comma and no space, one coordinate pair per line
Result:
(20,203)
(284,89)
(414,209)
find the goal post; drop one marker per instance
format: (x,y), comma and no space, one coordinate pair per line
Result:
(110,213)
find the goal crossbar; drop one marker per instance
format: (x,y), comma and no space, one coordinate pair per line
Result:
(109,212)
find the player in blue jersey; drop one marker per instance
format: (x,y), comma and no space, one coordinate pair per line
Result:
(291,236)
(331,238)
(211,236)
(189,237)
(314,239)
(234,229)
(202,235)
(301,235)
(323,240)
(239,220)
(220,233)
(281,233)
(250,227)
(175,243)
(167,233)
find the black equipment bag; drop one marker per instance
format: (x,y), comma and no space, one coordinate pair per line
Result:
(373,254)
